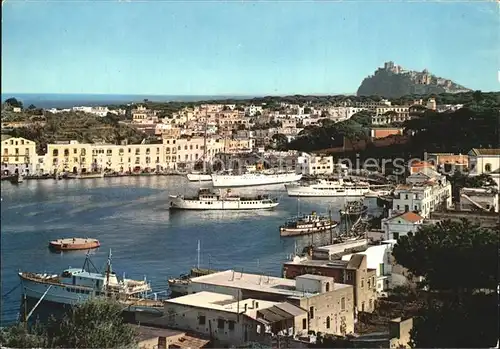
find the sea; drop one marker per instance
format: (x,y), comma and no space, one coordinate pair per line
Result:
(130,217)
(49,100)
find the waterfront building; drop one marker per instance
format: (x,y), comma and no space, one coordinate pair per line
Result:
(423,193)
(18,155)
(229,320)
(353,271)
(329,304)
(181,152)
(312,165)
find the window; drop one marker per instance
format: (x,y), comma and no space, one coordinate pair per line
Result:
(202,319)
(362,283)
(487,168)
(406,197)
(342,303)
(220,324)
(231,325)
(304,324)
(327,322)
(395,236)
(311,312)
(327,288)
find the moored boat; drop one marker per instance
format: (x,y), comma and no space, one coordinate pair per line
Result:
(209,200)
(73,244)
(253,179)
(76,285)
(328,188)
(353,208)
(307,224)
(180,286)
(198,177)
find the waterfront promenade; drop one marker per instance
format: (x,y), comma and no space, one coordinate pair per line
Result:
(130,215)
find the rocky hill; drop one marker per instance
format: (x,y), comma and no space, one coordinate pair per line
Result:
(393,81)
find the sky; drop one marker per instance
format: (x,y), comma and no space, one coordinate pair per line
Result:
(241,47)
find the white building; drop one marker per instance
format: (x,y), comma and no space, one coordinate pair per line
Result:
(338,114)
(18,155)
(389,114)
(232,321)
(423,193)
(252,110)
(485,161)
(312,165)
(401,224)
(379,258)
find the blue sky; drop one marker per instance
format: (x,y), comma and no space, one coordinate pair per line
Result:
(240,48)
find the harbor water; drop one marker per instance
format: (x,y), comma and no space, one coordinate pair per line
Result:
(130,216)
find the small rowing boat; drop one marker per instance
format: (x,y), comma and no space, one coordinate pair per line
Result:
(73,244)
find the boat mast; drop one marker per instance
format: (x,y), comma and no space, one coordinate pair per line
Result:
(198,250)
(108,271)
(205,144)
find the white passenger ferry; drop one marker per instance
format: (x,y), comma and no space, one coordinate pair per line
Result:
(328,188)
(76,285)
(253,179)
(208,200)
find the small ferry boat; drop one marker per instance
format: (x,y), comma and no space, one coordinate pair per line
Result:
(307,224)
(209,200)
(73,244)
(76,285)
(353,208)
(253,179)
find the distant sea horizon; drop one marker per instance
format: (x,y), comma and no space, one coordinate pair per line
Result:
(57,100)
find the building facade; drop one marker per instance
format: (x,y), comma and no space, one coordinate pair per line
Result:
(18,156)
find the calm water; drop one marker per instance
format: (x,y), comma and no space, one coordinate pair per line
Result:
(130,216)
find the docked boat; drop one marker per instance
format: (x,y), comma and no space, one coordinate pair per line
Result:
(16,179)
(328,188)
(307,224)
(198,177)
(76,285)
(253,179)
(90,175)
(74,244)
(353,208)
(209,200)
(180,286)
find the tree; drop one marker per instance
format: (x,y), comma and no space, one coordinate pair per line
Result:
(31,107)
(469,248)
(94,324)
(280,140)
(459,262)
(461,180)
(21,336)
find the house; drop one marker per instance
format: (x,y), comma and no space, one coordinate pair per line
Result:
(229,320)
(352,272)
(448,162)
(423,192)
(419,166)
(330,304)
(163,338)
(312,165)
(401,224)
(18,155)
(479,199)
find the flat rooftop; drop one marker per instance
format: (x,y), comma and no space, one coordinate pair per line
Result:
(318,263)
(255,282)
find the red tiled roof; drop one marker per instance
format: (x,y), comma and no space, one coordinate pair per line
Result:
(410,217)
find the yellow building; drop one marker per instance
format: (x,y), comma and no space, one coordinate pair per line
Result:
(184,151)
(18,155)
(238,145)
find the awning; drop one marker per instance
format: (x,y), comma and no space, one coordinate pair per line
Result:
(274,314)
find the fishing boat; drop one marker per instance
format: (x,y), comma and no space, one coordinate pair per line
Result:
(180,286)
(328,188)
(73,244)
(307,224)
(209,200)
(77,285)
(353,208)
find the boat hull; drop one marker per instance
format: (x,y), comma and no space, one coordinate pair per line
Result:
(308,191)
(253,180)
(199,177)
(74,245)
(178,289)
(57,294)
(306,231)
(178,203)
